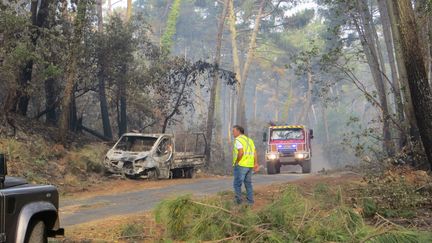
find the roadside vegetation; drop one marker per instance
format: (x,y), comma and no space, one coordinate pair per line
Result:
(346,212)
(34,155)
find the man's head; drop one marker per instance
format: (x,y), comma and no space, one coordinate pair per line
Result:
(238,130)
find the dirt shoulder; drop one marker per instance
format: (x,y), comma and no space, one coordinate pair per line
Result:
(116,184)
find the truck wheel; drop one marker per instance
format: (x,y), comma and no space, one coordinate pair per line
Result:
(278,167)
(36,232)
(271,168)
(306,166)
(190,173)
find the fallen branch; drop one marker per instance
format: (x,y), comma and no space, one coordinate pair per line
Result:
(388,221)
(213,206)
(225,239)
(374,235)
(132,236)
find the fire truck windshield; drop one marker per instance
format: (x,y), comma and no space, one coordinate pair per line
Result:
(287,134)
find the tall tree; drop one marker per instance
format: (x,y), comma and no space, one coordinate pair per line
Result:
(403,77)
(241,107)
(385,20)
(170,29)
(242,75)
(416,72)
(71,72)
(19,98)
(365,31)
(214,85)
(102,56)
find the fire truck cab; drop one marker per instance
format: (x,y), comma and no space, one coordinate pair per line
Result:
(288,145)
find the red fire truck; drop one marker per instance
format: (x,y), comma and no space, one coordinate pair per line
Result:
(288,145)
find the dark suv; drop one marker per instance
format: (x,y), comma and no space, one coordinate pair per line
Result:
(28,213)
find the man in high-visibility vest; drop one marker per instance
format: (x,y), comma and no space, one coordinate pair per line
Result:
(245,161)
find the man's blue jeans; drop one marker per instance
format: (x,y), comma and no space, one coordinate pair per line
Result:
(243,175)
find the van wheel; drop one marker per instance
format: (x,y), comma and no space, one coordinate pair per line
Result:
(306,166)
(271,168)
(36,232)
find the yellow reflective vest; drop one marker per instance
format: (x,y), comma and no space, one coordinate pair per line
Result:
(248,158)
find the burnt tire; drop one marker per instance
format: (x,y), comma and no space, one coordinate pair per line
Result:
(36,232)
(271,168)
(190,173)
(306,166)
(153,175)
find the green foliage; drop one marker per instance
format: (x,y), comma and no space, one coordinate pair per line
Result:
(132,231)
(170,30)
(290,218)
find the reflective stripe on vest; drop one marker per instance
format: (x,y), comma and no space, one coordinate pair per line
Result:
(248,158)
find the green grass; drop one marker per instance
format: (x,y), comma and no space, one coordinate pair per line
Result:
(132,231)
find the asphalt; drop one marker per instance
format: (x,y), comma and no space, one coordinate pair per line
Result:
(100,207)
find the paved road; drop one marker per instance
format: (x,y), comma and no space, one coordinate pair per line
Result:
(100,207)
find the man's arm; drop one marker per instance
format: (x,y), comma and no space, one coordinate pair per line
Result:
(239,156)
(256,164)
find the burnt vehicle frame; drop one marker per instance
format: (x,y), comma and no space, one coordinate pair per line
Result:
(157,156)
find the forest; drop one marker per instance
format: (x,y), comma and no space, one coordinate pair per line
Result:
(75,75)
(357,71)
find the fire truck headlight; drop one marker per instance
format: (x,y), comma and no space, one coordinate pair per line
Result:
(300,155)
(272,156)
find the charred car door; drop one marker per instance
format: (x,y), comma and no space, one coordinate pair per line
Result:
(164,152)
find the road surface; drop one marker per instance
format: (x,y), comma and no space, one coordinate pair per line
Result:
(77,211)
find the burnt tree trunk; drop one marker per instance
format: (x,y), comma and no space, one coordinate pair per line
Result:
(39,15)
(417,76)
(106,124)
(50,101)
(72,71)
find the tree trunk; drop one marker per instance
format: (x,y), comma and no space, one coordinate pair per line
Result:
(106,124)
(422,18)
(122,126)
(128,10)
(19,99)
(408,107)
(385,20)
(417,76)
(72,68)
(213,89)
(233,31)
(277,101)
(73,117)
(307,105)
(370,49)
(241,107)
(50,101)
(325,122)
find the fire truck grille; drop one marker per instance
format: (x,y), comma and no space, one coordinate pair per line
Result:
(287,151)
